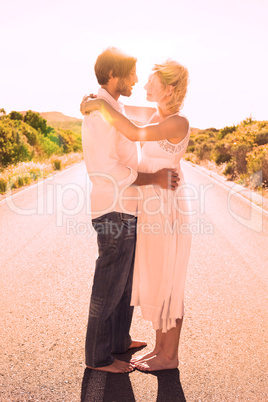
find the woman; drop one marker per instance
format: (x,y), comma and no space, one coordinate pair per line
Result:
(163,235)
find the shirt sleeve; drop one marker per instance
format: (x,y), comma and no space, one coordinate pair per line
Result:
(99,145)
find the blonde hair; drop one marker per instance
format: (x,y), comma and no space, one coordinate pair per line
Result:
(173,73)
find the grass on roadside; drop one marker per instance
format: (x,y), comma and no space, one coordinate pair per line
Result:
(25,173)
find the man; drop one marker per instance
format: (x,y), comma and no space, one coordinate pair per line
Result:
(111,161)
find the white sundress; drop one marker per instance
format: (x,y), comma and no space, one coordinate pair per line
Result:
(163,239)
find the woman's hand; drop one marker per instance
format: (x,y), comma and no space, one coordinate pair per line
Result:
(89,104)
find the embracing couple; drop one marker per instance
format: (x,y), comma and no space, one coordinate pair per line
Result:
(139,263)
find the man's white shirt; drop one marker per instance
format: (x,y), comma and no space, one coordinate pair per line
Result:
(111,161)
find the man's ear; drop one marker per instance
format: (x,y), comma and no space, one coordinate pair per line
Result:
(111,74)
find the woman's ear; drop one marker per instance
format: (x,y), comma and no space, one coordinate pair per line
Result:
(169,90)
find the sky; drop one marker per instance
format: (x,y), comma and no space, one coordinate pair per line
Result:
(48,50)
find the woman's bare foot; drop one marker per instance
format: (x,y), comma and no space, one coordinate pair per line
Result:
(158,362)
(144,357)
(137,344)
(117,366)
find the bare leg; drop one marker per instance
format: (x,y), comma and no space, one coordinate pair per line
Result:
(167,358)
(117,366)
(159,339)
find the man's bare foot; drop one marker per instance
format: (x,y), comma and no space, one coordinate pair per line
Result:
(140,358)
(117,366)
(158,362)
(137,344)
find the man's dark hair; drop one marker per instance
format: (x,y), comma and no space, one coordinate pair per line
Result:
(112,59)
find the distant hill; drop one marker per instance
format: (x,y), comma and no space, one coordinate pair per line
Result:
(58,116)
(60,120)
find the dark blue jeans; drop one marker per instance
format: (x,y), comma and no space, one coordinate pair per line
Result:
(110,313)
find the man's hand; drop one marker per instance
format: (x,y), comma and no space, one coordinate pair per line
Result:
(167,179)
(164,178)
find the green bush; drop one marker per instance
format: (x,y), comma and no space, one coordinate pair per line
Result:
(247,122)
(36,121)
(221,153)
(48,147)
(69,141)
(201,138)
(14,146)
(191,142)
(239,152)
(262,137)
(56,163)
(20,181)
(257,160)
(190,148)
(35,173)
(2,113)
(15,115)
(30,133)
(203,151)
(262,124)
(53,137)
(222,158)
(3,185)
(230,169)
(226,130)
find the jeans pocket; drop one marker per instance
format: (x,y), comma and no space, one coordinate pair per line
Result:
(127,217)
(129,223)
(108,236)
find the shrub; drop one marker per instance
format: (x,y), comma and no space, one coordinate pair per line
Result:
(239,152)
(247,122)
(201,138)
(35,173)
(30,133)
(222,158)
(190,148)
(230,169)
(69,141)
(203,150)
(262,137)
(2,113)
(48,147)
(15,115)
(56,163)
(191,158)
(226,130)
(257,160)
(221,153)
(13,144)
(36,121)
(262,124)
(3,185)
(53,137)
(191,142)
(20,181)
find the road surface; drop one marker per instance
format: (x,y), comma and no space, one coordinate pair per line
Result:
(48,251)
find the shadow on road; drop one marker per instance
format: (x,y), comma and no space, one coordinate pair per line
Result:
(169,386)
(98,386)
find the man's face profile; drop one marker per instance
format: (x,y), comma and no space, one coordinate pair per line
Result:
(125,85)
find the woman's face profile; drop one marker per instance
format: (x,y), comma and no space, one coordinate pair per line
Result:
(154,88)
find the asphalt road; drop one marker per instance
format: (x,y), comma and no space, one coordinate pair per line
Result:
(47,262)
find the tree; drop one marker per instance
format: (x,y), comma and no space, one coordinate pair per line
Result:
(36,121)
(14,147)
(2,112)
(15,115)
